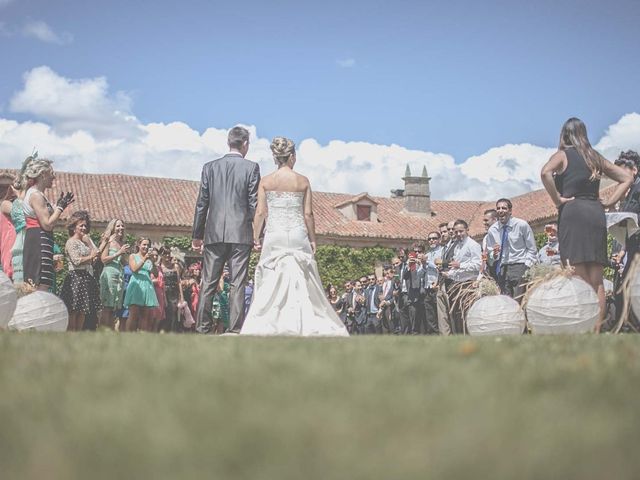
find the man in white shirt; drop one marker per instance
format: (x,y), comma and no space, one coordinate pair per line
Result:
(463,270)
(511,242)
(429,276)
(488,265)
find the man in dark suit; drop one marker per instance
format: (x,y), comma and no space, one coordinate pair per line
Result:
(373,295)
(222,227)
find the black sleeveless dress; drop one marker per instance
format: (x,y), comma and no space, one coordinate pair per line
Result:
(582,226)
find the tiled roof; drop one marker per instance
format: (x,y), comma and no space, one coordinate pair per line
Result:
(150,201)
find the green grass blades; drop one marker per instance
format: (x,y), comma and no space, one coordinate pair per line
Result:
(105,406)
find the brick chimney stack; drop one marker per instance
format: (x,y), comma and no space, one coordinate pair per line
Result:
(417,196)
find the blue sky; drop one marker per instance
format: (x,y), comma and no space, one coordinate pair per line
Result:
(447,78)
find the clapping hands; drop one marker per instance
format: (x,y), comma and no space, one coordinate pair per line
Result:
(65,199)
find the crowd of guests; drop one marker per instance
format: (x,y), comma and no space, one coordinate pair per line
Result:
(419,292)
(138,287)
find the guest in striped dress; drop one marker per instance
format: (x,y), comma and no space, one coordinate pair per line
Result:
(40,217)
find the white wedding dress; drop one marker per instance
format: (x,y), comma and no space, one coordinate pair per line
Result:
(288,298)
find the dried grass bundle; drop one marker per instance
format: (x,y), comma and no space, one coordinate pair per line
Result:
(465,294)
(625,290)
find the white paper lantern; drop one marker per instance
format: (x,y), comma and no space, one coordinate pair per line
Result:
(563,305)
(495,315)
(41,311)
(8,300)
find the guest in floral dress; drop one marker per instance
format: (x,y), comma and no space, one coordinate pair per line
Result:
(80,291)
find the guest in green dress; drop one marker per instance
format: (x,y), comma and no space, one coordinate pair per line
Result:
(19,223)
(111,278)
(140,297)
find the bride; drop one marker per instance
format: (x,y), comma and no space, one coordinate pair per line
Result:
(288,297)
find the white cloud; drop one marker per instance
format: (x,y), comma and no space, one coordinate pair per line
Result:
(72,105)
(40,30)
(85,128)
(346,62)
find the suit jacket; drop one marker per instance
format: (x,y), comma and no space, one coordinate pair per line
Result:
(227,201)
(377,289)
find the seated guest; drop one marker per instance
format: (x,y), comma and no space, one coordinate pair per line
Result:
(549,254)
(463,271)
(513,246)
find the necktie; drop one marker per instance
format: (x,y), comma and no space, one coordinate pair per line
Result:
(503,243)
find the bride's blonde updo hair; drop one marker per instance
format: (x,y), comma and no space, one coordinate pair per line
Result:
(282,149)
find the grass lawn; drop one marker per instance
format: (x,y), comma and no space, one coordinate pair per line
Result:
(105,405)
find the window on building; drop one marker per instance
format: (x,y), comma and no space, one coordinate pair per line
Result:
(363,212)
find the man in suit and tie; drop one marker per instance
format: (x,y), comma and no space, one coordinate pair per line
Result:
(222,227)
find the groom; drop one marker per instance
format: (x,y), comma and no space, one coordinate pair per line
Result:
(222,227)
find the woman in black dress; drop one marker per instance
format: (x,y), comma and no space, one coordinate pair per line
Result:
(572,179)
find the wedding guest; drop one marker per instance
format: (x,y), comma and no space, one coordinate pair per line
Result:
(195,270)
(40,218)
(171,270)
(111,277)
(335,300)
(16,213)
(488,264)
(7,232)
(357,316)
(140,296)
(463,271)
(444,234)
(549,254)
(511,242)
(347,302)
(373,324)
(80,291)
(429,282)
(158,315)
(386,307)
(220,303)
(122,314)
(572,180)
(630,161)
(248,295)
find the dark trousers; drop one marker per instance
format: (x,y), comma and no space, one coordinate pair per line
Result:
(455,289)
(407,313)
(215,256)
(511,280)
(374,324)
(427,314)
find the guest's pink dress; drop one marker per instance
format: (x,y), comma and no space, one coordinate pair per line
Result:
(7,239)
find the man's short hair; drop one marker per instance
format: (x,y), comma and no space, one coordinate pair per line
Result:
(443,224)
(505,200)
(461,222)
(629,155)
(237,137)
(492,212)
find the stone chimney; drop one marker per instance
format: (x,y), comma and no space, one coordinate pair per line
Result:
(417,196)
